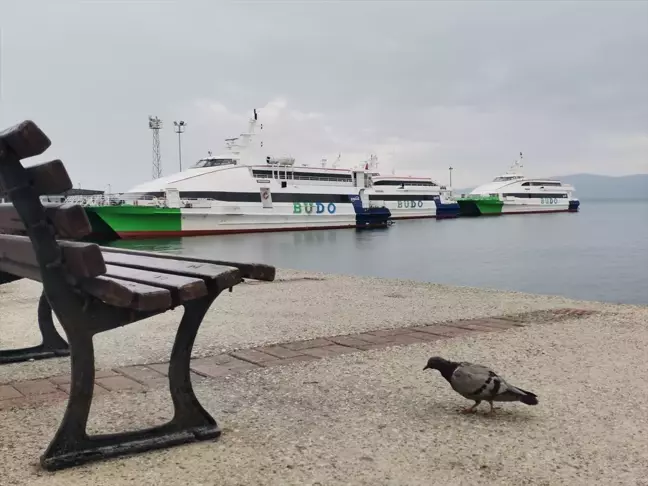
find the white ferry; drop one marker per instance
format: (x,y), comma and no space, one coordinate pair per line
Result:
(409,197)
(513,193)
(245,191)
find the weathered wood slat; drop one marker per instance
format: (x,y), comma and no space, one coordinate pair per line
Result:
(177,267)
(22,271)
(47,178)
(81,260)
(255,271)
(183,289)
(25,139)
(132,295)
(69,220)
(112,291)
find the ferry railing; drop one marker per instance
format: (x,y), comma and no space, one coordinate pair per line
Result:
(135,200)
(479,196)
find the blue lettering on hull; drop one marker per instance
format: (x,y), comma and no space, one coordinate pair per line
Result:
(308,207)
(409,204)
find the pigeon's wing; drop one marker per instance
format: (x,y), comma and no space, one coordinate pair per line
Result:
(477,382)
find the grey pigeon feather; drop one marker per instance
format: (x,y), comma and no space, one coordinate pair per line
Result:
(479,383)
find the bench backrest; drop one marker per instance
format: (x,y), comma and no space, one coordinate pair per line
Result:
(39,255)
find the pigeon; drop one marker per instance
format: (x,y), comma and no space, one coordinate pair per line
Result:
(479,383)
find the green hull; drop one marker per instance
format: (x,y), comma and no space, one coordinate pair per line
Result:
(480,206)
(111,222)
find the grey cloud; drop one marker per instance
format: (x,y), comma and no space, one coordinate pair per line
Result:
(427,84)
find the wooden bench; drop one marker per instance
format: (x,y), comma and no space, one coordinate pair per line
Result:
(92,289)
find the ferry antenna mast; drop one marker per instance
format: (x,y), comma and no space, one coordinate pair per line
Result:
(155,124)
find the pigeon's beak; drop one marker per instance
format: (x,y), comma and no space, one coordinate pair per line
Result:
(426,367)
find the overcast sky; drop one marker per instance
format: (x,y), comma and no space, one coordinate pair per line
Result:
(423,85)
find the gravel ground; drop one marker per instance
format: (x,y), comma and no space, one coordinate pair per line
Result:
(376,418)
(297,306)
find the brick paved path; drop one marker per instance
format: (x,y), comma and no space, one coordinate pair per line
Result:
(145,376)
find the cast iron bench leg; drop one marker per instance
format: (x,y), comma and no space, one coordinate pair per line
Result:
(53,344)
(191,422)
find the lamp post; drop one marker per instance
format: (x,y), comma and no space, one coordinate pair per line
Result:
(179,127)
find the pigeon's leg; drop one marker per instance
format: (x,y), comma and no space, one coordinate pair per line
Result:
(472,409)
(492,409)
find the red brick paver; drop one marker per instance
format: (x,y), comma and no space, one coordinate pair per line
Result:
(287,361)
(98,390)
(67,379)
(371,338)
(35,387)
(253,356)
(119,383)
(329,351)
(33,400)
(143,374)
(279,352)
(217,366)
(142,377)
(7,392)
(311,343)
(352,341)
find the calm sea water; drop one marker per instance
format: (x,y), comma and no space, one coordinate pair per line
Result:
(600,253)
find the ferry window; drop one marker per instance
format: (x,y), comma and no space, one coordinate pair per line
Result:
(549,183)
(540,184)
(214,162)
(308,176)
(539,194)
(404,183)
(303,176)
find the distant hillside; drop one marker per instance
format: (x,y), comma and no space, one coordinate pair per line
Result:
(592,186)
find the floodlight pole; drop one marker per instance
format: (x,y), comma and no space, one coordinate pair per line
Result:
(179,127)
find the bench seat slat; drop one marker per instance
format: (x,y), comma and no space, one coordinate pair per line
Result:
(256,271)
(124,293)
(81,260)
(69,220)
(7,278)
(177,267)
(182,288)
